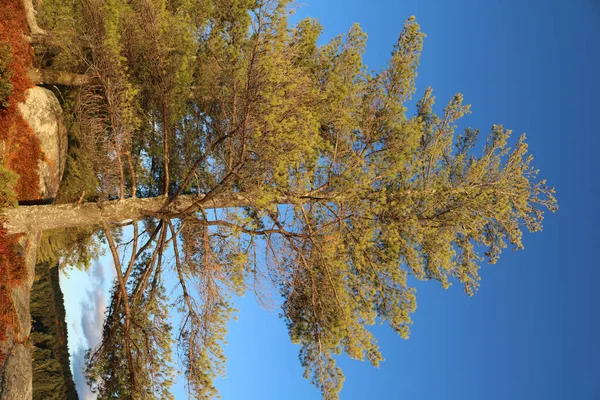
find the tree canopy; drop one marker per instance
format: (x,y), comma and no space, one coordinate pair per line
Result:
(277,163)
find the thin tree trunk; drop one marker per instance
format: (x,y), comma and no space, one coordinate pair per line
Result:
(31,19)
(52,77)
(123,291)
(165,127)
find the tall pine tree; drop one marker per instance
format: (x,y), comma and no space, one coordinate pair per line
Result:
(256,157)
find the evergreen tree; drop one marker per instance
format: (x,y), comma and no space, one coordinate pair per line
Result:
(220,132)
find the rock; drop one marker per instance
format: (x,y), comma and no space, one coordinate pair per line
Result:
(16,369)
(45,116)
(20,299)
(16,383)
(29,245)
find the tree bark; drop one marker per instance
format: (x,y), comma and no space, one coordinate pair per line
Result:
(44,45)
(46,217)
(52,77)
(31,20)
(25,219)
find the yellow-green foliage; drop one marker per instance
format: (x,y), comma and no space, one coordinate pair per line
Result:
(8,180)
(75,247)
(62,18)
(5,75)
(151,331)
(372,193)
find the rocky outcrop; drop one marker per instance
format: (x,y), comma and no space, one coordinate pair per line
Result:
(45,116)
(16,372)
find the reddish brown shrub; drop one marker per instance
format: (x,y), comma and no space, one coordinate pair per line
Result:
(22,145)
(22,151)
(12,273)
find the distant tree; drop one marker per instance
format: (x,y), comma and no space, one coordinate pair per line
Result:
(258,158)
(52,377)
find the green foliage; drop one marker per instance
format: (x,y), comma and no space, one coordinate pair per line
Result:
(5,75)
(52,377)
(75,247)
(8,181)
(108,372)
(79,177)
(226,99)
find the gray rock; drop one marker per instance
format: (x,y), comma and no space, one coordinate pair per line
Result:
(16,383)
(45,116)
(29,245)
(20,297)
(16,370)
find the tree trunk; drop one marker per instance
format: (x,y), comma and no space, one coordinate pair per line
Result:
(44,45)
(31,20)
(63,78)
(45,217)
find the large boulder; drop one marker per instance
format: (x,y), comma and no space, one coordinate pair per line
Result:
(15,367)
(44,114)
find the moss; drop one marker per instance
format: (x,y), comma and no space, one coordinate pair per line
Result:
(17,53)
(24,155)
(8,181)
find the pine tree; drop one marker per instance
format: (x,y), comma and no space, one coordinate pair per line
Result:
(220,132)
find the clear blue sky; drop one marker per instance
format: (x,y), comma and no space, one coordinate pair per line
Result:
(532,330)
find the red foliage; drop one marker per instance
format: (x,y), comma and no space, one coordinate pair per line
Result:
(22,144)
(13,26)
(24,153)
(23,150)
(12,273)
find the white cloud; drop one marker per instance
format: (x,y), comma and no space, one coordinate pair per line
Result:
(86,299)
(78,363)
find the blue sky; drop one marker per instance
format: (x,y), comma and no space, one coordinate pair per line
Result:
(532,330)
